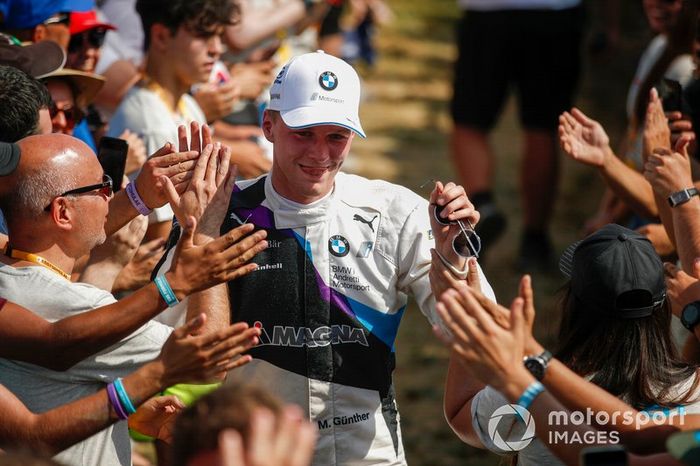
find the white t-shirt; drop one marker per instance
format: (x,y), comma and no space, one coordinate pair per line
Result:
(492,5)
(52,297)
(144,113)
(536,453)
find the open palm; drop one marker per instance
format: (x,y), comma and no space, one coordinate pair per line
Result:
(583,139)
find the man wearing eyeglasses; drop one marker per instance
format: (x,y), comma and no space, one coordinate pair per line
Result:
(57,202)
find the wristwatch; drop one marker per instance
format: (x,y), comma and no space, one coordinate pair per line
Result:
(690,316)
(681,197)
(538,364)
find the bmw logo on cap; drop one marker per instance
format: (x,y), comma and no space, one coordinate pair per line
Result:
(338,246)
(328,80)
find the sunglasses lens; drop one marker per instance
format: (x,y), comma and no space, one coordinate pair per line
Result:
(436,212)
(96,37)
(467,244)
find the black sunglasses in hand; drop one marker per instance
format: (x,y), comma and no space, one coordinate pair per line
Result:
(467,243)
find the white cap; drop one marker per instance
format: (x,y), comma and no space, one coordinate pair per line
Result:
(317,89)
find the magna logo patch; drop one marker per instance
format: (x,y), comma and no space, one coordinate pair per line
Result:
(298,337)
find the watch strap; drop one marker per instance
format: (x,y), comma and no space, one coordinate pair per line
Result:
(682,196)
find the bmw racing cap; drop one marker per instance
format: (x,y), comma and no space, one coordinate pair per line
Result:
(317,89)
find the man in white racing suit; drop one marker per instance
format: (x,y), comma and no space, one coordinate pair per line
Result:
(343,254)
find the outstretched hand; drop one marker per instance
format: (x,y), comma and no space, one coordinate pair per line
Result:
(669,171)
(198,267)
(657,134)
(156,417)
(187,357)
(488,349)
(501,315)
(583,139)
(164,163)
(208,193)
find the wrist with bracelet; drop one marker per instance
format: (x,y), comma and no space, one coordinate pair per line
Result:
(459,274)
(120,400)
(681,197)
(530,393)
(135,199)
(166,291)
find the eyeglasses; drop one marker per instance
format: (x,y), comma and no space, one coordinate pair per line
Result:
(95,37)
(467,243)
(105,189)
(71,113)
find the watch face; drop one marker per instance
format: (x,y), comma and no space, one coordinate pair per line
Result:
(679,197)
(535,366)
(690,315)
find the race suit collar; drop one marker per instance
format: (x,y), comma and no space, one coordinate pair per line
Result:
(290,214)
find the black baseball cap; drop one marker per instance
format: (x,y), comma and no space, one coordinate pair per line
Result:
(616,270)
(9,157)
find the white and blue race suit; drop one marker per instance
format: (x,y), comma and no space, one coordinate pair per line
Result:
(328,295)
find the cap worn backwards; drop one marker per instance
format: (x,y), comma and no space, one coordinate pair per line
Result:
(616,270)
(317,89)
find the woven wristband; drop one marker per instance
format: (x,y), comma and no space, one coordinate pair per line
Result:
(124,397)
(165,291)
(116,404)
(530,393)
(136,200)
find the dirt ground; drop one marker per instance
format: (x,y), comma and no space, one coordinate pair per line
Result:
(405,115)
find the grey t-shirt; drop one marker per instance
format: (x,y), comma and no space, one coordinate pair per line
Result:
(52,297)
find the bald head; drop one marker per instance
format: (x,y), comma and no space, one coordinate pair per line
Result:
(50,165)
(55,150)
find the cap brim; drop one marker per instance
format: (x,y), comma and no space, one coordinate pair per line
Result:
(88,84)
(305,117)
(49,55)
(9,157)
(37,60)
(566,261)
(87,25)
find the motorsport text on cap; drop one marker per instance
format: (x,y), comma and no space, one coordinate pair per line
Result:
(317,89)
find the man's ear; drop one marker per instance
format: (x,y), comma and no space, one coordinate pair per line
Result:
(61,213)
(267,126)
(39,33)
(160,37)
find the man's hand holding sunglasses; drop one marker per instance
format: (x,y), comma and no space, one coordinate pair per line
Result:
(452,218)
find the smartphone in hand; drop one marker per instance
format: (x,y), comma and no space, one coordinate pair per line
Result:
(111,154)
